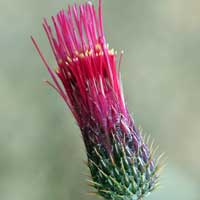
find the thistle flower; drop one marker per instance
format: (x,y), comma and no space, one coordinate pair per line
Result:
(88,79)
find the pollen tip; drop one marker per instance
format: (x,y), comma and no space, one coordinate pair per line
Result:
(81,55)
(98,47)
(89,3)
(111,52)
(60,61)
(56,70)
(76,52)
(69,59)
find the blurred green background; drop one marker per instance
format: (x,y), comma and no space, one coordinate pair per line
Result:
(41,151)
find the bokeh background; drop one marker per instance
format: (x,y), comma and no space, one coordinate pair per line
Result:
(41,151)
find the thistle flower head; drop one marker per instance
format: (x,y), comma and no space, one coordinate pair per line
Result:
(87,77)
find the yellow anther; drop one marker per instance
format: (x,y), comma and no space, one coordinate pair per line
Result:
(111,51)
(59,61)
(90,52)
(69,59)
(76,52)
(56,69)
(98,46)
(81,55)
(86,52)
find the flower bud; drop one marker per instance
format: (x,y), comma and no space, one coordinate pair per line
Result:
(87,77)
